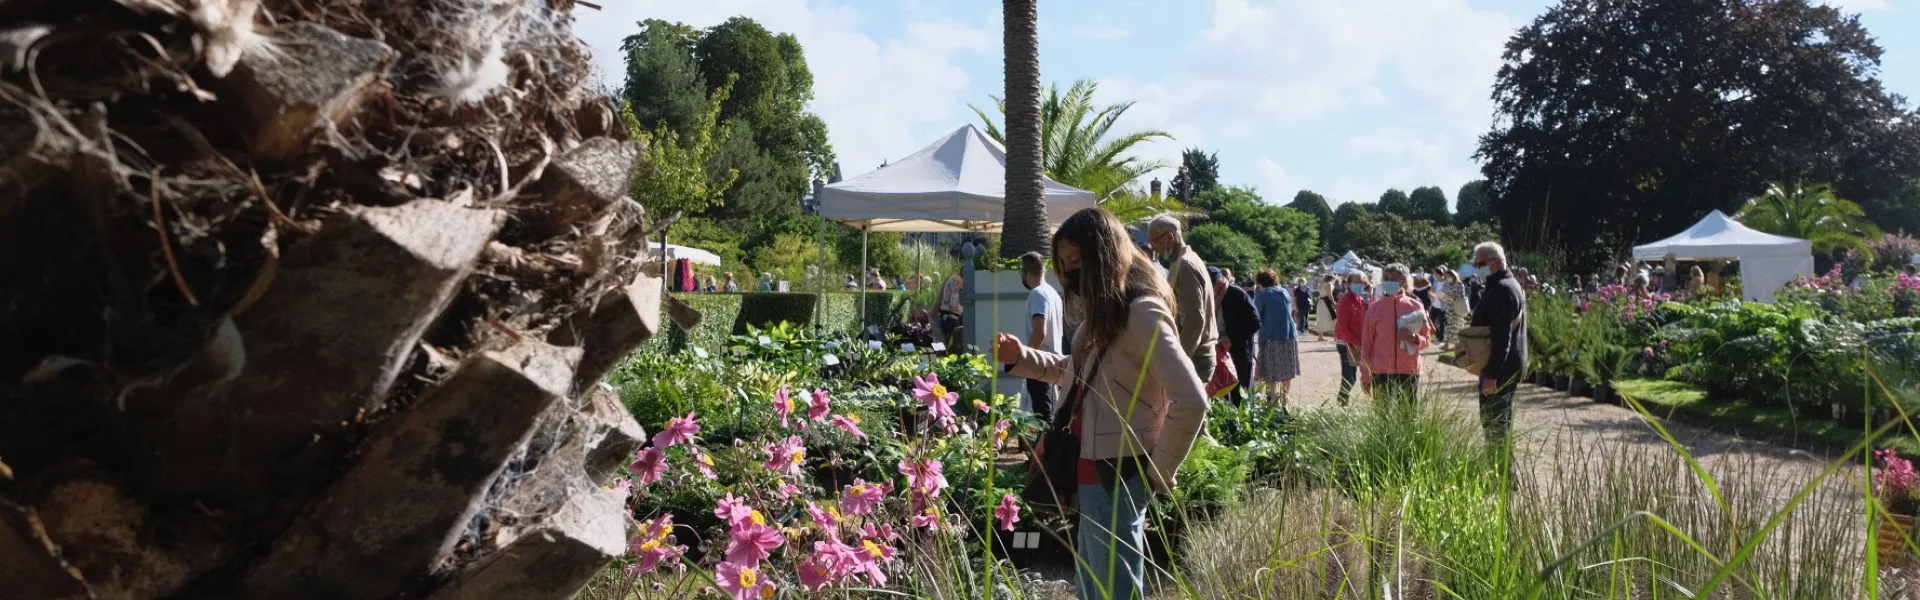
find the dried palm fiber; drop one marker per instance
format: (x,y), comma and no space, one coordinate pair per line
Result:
(305,298)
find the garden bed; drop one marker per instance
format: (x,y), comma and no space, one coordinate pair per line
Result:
(1685,403)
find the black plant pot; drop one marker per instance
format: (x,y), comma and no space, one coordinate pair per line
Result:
(1603,393)
(1562,382)
(1577,387)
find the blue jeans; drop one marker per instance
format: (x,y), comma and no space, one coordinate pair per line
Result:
(1113,540)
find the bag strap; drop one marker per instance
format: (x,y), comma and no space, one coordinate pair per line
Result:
(1076,393)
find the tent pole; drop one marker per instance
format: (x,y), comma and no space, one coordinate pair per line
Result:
(820,301)
(862,278)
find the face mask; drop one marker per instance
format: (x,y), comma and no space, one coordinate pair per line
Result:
(1390,288)
(1357,288)
(1023,282)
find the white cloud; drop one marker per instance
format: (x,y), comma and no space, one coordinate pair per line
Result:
(1100,28)
(1275,184)
(881,100)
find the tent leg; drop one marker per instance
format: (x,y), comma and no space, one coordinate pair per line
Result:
(820,301)
(862,278)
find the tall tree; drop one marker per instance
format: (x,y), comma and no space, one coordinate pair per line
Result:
(1343,216)
(1420,244)
(1026,228)
(1287,237)
(1222,246)
(1430,204)
(1472,204)
(1618,121)
(1199,172)
(1315,205)
(1082,150)
(770,87)
(664,86)
(1396,202)
(1809,212)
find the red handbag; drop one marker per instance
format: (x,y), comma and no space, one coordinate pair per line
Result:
(1224,378)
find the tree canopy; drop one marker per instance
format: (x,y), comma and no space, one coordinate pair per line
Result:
(1394,201)
(1621,120)
(1343,216)
(1288,238)
(1388,237)
(1199,172)
(1809,212)
(1082,149)
(1472,205)
(1430,204)
(1315,205)
(1222,246)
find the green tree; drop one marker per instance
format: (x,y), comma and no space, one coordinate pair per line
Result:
(1430,204)
(1388,237)
(1081,147)
(885,251)
(1026,229)
(771,86)
(1619,121)
(664,86)
(1344,216)
(1472,205)
(1809,212)
(1315,205)
(791,257)
(674,178)
(1396,202)
(1288,238)
(1199,172)
(1221,246)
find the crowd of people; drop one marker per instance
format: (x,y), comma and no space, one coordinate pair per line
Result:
(1141,340)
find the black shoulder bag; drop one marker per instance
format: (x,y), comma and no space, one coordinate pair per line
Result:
(1053,478)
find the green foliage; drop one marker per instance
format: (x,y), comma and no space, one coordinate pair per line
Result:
(1787,355)
(1396,202)
(1472,205)
(1081,148)
(664,87)
(1809,212)
(1221,246)
(1288,238)
(674,178)
(1343,217)
(1728,95)
(793,258)
(1315,205)
(1199,172)
(1388,237)
(1430,204)
(885,251)
(728,314)
(1213,478)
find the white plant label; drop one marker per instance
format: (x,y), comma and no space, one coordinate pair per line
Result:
(832,360)
(875,344)
(906,347)
(701,352)
(939,347)
(766,341)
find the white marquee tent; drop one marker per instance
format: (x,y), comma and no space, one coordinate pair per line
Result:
(956,184)
(1767,262)
(696,255)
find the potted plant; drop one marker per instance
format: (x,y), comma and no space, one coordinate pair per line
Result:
(1894,486)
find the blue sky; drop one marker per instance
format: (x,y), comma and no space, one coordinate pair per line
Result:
(1344,97)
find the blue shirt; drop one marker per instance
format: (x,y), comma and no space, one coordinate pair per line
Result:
(1276,314)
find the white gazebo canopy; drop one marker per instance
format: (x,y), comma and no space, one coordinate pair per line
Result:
(1767,262)
(696,255)
(956,184)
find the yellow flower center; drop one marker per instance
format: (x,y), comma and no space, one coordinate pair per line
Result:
(759,519)
(858,490)
(799,455)
(835,512)
(748,578)
(872,548)
(854,418)
(939,390)
(650,545)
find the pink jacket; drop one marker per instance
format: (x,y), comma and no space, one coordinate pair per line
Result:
(1380,336)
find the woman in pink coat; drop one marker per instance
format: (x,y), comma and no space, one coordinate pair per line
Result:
(1391,338)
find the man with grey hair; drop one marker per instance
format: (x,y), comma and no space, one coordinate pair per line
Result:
(1192,294)
(1503,311)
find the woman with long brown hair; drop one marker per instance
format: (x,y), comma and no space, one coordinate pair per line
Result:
(1134,398)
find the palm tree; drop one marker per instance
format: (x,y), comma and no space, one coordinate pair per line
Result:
(1025,229)
(1809,212)
(1083,151)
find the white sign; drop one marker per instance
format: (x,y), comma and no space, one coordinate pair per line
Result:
(906,347)
(833,344)
(766,341)
(832,360)
(700,352)
(875,344)
(939,347)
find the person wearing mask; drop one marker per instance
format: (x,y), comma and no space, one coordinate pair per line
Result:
(951,310)
(732,286)
(1503,311)
(851,285)
(1391,338)
(1423,291)
(1239,323)
(1192,292)
(1138,403)
(1326,309)
(1043,327)
(1279,340)
(712,285)
(1351,312)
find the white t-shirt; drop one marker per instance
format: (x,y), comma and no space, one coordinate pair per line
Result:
(1044,302)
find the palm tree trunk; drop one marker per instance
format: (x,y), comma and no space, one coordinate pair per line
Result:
(1026,228)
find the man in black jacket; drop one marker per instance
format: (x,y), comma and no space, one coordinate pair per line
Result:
(1503,311)
(1239,322)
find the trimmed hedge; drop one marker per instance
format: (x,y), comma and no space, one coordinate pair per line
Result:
(730,314)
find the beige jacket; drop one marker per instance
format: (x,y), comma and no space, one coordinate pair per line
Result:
(1158,415)
(1193,297)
